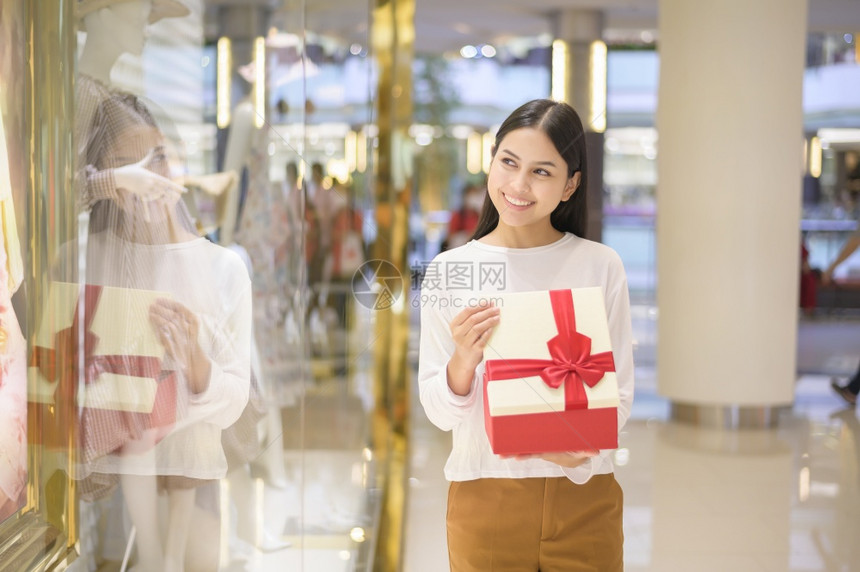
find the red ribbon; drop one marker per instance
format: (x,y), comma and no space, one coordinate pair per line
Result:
(60,363)
(572,363)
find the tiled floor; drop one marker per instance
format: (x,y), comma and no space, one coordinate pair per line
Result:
(698,500)
(701,500)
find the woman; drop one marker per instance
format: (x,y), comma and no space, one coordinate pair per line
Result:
(550,512)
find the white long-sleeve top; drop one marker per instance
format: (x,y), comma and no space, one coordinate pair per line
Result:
(461,277)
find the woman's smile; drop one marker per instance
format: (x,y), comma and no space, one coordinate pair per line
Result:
(517,203)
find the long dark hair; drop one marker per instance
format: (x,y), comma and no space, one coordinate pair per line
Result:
(562,125)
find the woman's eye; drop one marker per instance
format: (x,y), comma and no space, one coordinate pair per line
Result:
(508,161)
(543,172)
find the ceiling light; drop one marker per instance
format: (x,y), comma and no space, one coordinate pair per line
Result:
(423,139)
(469,51)
(815,157)
(597,120)
(559,73)
(259,82)
(224,59)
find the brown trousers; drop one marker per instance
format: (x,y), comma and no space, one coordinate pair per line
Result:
(535,525)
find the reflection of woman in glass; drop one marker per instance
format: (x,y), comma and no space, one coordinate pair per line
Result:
(141,238)
(204,328)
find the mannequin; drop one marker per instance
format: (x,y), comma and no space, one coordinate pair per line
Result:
(209,188)
(142,237)
(235,159)
(295,250)
(255,240)
(205,329)
(115,28)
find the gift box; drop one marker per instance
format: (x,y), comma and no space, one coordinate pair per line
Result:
(107,332)
(549,374)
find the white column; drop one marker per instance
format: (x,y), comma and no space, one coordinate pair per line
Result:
(730,129)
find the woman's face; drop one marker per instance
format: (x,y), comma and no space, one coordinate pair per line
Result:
(528,178)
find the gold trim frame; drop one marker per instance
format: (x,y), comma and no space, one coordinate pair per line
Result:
(393,36)
(43,534)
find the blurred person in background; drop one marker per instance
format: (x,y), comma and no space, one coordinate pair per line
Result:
(809,278)
(320,205)
(464,221)
(849,390)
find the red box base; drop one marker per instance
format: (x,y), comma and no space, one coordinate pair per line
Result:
(535,433)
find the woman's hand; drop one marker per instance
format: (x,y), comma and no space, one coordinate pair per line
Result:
(470,330)
(569,459)
(177,329)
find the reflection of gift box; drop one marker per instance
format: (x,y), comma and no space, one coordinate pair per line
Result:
(125,392)
(549,381)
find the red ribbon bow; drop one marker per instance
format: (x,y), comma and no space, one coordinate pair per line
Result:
(60,363)
(572,363)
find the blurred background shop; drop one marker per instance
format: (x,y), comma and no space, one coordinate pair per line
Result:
(334,148)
